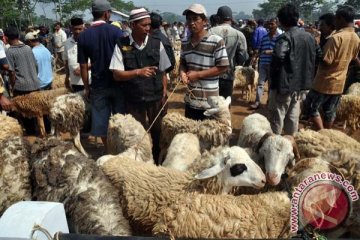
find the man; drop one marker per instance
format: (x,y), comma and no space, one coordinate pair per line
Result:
(43,60)
(59,38)
(259,33)
(156,22)
(248,32)
(23,74)
(203,58)
(341,47)
(97,43)
(236,49)
(265,50)
(140,61)
(291,71)
(326,27)
(72,67)
(5,103)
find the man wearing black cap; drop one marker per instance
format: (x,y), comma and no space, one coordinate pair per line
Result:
(97,43)
(236,48)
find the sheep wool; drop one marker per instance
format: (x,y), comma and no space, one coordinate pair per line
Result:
(354,89)
(210,216)
(14,172)
(312,144)
(125,132)
(62,174)
(348,111)
(9,127)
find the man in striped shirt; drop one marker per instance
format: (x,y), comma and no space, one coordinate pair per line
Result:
(203,58)
(265,50)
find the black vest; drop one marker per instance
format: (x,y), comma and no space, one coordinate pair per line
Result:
(142,89)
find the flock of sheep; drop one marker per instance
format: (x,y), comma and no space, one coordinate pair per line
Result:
(204,188)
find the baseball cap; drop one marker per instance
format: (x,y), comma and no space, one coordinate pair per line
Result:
(31,36)
(195,8)
(100,6)
(224,12)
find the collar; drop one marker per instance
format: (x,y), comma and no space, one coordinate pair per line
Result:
(346,29)
(97,23)
(136,45)
(262,140)
(71,39)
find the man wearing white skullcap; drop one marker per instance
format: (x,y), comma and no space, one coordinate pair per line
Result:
(139,61)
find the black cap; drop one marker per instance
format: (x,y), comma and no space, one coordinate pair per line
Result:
(224,13)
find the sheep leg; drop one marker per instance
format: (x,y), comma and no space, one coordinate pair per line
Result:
(41,125)
(78,145)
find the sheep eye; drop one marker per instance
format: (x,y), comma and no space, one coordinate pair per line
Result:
(238,169)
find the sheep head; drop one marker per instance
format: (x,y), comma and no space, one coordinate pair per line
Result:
(235,168)
(277,152)
(219,109)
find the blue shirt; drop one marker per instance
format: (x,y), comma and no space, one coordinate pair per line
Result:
(267,44)
(43,61)
(97,43)
(259,33)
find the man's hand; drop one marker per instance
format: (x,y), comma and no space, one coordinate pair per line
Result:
(193,75)
(5,103)
(87,94)
(77,71)
(147,71)
(184,78)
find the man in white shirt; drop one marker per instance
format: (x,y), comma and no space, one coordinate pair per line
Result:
(72,67)
(140,61)
(59,38)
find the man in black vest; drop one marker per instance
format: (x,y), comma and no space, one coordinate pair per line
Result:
(139,61)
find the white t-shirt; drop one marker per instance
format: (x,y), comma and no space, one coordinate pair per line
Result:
(117,62)
(70,55)
(59,40)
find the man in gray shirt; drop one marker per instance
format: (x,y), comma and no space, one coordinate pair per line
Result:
(236,48)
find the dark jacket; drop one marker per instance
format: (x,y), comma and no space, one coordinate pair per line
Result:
(142,89)
(293,63)
(167,45)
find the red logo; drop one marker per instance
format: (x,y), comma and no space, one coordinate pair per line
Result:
(324,205)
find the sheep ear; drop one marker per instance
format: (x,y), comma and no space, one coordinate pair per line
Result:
(211,112)
(228,100)
(210,172)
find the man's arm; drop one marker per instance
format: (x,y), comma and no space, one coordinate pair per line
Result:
(280,51)
(211,72)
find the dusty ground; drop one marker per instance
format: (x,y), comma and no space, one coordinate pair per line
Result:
(239,110)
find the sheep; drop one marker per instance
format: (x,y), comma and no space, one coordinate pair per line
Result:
(37,104)
(9,127)
(354,89)
(183,150)
(312,144)
(60,173)
(14,172)
(174,74)
(348,111)
(246,78)
(211,132)
(277,151)
(58,81)
(67,114)
(142,185)
(209,216)
(125,132)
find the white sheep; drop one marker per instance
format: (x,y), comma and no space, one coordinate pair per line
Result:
(183,150)
(211,132)
(354,89)
(277,151)
(60,173)
(246,78)
(67,115)
(125,132)
(142,185)
(312,144)
(14,172)
(209,216)
(9,127)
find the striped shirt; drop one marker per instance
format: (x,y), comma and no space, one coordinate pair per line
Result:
(22,60)
(210,52)
(267,44)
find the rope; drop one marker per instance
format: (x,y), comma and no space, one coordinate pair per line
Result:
(37,227)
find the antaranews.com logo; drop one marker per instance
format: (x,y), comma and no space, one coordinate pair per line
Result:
(323,201)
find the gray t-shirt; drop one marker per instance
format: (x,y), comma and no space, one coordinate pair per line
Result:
(22,60)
